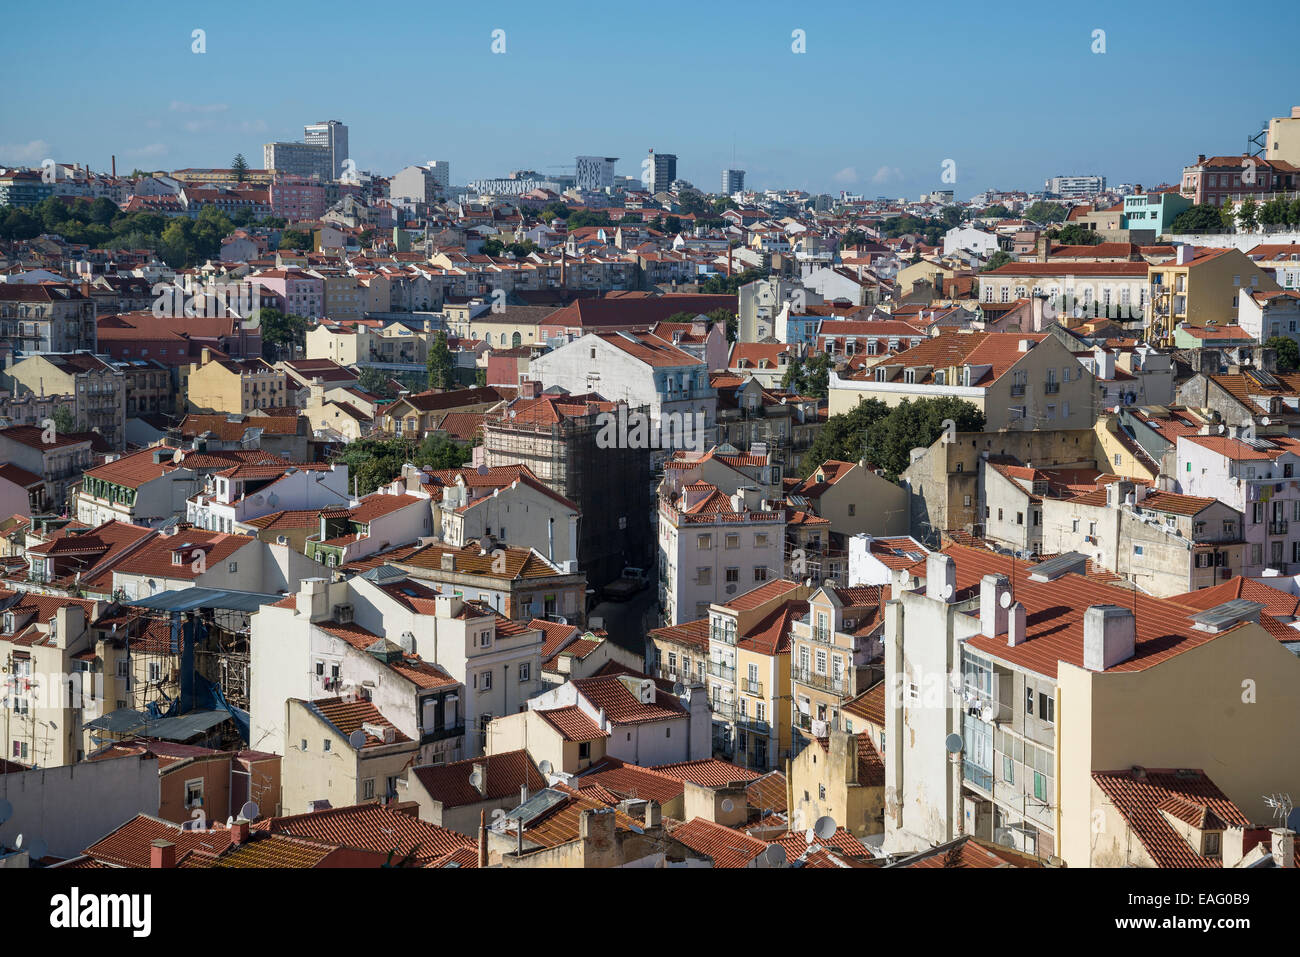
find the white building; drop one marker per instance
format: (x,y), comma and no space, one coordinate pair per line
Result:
(244,492)
(713,547)
(595,172)
(969,238)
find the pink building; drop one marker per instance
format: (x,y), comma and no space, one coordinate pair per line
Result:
(297,198)
(302,294)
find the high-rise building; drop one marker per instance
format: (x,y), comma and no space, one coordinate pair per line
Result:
(298,159)
(332,135)
(733,181)
(1076,187)
(663,169)
(440,170)
(595,172)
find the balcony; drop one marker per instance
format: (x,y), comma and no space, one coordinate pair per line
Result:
(722,710)
(752,687)
(1017,390)
(753,725)
(1051,388)
(1277,528)
(839,686)
(720,669)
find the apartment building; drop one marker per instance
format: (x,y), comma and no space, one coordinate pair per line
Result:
(47,317)
(1163,542)
(1199,286)
(144,488)
(1062,677)
(217,384)
(229,499)
(1230,179)
(1254,477)
(97,386)
(835,655)
(557,438)
(714,546)
(59,462)
(1019,381)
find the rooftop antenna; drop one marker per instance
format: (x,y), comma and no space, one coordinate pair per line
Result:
(1281,805)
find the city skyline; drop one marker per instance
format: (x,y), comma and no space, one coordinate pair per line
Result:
(1012,136)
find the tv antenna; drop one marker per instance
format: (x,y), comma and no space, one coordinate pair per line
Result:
(1281,805)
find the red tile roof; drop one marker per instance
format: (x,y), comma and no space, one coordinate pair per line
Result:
(503,774)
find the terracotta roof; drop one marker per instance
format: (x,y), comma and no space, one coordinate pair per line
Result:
(348,716)
(503,774)
(573,723)
(727,847)
(621,707)
(709,772)
(1143,796)
(371,827)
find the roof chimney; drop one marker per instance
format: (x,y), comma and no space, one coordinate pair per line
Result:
(1015,625)
(1283,847)
(239,832)
(1109,636)
(940,577)
(1184,254)
(994,590)
(162,854)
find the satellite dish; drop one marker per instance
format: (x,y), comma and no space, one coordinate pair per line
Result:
(37,848)
(249,812)
(953,743)
(357,739)
(775,855)
(825,827)
(987,714)
(728,805)
(1264,421)
(6,809)
(545,767)
(947,591)
(1005,600)
(678,688)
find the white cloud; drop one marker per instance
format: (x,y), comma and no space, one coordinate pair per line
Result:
(887,174)
(28,154)
(846,175)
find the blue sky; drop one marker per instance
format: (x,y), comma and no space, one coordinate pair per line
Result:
(1011,92)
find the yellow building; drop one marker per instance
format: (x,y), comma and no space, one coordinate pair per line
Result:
(1119,452)
(841,777)
(218,384)
(1201,286)
(1284,138)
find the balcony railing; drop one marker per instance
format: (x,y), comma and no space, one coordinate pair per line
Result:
(1277,528)
(1017,390)
(834,685)
(1051,388)
(753,725)
(723,710)
(722,670)
(752,687)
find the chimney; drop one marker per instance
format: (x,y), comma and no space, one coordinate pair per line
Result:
(1233,846)
(162,854)
(239,832)
(529,388)
(653,814)
(1283,847)
(1265,359)
(448,563)
(940,577)
(482,839)
(114,166)
(1184,254)
(1015,625)
(205,357)
(1109,636)
(994,589)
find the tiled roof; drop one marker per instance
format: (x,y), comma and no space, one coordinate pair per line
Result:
(869,705)
(371,827)
(129,845)
(709,772)
(348,716)
(727,847)
(573,723)
(503,775)
(621,707)
(694,634)
(1055,612)
(1141,795)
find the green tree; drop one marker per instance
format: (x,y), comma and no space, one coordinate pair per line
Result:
(1076,234)
(1228,215)
(1293,212)
(295,239)
(999,258)
(375,381)
(1045,212)
(997,209)
(1201,218)
(918,424)
(1249,215)
(1288,353)
(809,377)
(65,422)
(239,166)
(103,211)
(844,436)
(440,365)
(281,334)
(1273,213)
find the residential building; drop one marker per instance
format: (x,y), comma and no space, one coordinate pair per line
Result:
(146,488)
(47,317)
(96,385)
(217,384)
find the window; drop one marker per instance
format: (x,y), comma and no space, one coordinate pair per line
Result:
(1212,844)
(821,662)
(487,681)
(368,788)
(704,575)
(525,670)
(584,750)
(1008,769)
(1040,786)
(1046,707)
(760,573)
(733,575)
(325,745)
(1029,701)
(853,508)
(703,542)
(732,541)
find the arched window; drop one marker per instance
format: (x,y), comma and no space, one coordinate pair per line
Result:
(515,341)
